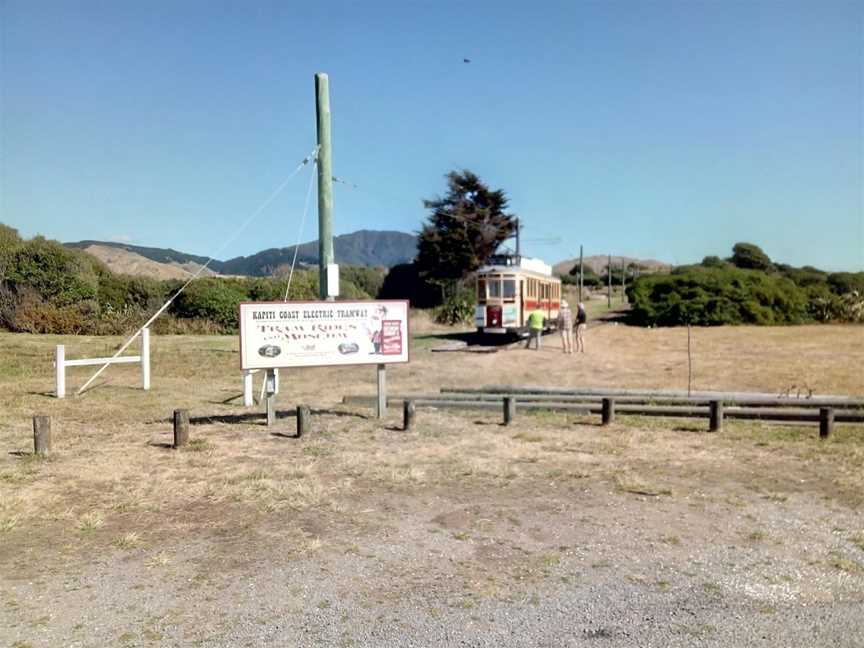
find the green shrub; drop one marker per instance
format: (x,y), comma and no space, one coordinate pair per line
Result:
(456,309)
(712,296)
(750,257)
(713,262)
(55,273)
(9,243)
(214,299)
(404,282)
(369,280)
(843,283)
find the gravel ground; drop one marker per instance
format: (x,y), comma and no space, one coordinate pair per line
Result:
(549,567)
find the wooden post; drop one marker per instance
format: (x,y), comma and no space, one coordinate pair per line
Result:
(60,371)
(609,270)
(145,358)
(42,435)
(248,399)
(509,409)
(181,427)
(715,423)
(304,420)
(608,411)
(826,422)
(408,411)
(623,281)
(581,274)
(382,390)
(689,364)
(270,383)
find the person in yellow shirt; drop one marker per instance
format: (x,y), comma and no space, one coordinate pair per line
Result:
(535,328)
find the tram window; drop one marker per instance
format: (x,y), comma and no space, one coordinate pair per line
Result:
(494,288)
(509,289)
(481,289)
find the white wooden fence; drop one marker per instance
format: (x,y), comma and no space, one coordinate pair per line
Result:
(60,363)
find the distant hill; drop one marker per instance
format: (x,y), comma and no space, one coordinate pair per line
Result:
(598,262)
(159,255)
(362,248)
(127,262)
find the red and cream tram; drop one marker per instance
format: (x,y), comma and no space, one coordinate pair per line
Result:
(509,289)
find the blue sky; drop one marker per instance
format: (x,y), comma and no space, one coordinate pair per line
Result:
(655,129)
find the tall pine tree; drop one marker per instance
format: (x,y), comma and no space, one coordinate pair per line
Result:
(465,228)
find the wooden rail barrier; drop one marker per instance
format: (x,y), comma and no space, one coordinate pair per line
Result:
(753,399)
(792,414)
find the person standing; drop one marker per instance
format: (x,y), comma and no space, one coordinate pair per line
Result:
(535,328)
(565,326)
(581,325)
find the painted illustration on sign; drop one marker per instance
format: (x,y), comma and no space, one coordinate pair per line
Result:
(303,334)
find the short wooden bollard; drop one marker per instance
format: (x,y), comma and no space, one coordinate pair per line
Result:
(304,420)
(509,409)
(408,411)
(181,427)
(42,435)
(826,422)
(607,414)
(715,414)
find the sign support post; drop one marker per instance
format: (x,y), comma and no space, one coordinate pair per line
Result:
(382,390)
(270,382)
(145,358)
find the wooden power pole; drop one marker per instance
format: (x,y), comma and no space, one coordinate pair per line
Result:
(325,184)
(623,281)
(581,273)
(609,272)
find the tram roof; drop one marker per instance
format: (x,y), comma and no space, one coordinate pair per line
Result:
(518,264)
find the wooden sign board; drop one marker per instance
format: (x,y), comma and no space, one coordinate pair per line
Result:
(322,333)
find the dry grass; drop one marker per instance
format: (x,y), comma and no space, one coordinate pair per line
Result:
(113,475)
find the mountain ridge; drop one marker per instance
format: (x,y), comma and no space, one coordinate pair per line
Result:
(363,248)
(597,263)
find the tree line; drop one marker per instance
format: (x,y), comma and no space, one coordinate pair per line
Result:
(746,288)
(48,288)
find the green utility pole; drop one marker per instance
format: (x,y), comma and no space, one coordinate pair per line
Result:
(325,182)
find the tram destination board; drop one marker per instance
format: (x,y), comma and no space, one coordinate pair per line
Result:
(322,333)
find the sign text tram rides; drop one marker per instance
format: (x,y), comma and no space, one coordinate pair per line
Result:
(309,334)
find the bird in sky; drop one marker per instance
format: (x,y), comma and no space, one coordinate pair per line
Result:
(464,60)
